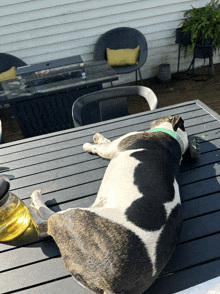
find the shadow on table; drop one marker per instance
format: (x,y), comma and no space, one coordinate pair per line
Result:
(197,261)
(4,169)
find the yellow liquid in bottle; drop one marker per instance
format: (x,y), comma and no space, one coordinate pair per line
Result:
(14,219)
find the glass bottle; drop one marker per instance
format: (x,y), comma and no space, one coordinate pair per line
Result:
(14,214)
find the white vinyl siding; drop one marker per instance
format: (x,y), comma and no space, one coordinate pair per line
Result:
(41,30)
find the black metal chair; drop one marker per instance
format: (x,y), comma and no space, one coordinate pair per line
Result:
(122,38)
(8,60)
(108,104)
(1,135)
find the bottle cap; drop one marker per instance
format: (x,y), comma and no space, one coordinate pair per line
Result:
(4,188)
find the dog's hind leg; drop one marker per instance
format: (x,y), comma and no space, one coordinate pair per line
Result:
(40,213)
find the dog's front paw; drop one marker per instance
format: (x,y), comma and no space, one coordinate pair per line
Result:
(87,147)
(40,224)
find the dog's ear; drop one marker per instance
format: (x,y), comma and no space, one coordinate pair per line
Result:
(177,122)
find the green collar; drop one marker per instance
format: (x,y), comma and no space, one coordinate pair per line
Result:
(171,133)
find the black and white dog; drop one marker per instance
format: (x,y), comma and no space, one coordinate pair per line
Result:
(123,241)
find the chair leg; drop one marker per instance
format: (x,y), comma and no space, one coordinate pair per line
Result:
(193,64)
(140,77)
(7,117)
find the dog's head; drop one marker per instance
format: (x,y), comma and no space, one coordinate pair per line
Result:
(176,124)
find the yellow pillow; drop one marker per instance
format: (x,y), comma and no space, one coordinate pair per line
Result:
(8,75)
(123,56)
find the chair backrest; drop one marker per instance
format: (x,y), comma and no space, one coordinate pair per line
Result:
(121,38)
(87,110)
(1,136)
(7,61)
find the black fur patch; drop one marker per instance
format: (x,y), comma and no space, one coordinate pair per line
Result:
(154,177)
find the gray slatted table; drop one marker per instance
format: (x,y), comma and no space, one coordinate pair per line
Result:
(69,177)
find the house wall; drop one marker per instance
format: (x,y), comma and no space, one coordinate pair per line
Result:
(39,30)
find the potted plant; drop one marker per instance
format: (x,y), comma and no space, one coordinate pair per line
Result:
(204,25)
(183,37)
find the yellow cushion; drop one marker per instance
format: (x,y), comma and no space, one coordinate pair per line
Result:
(122,57)
(8,75)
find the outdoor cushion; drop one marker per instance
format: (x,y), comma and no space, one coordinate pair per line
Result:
(122,57)
(9,74)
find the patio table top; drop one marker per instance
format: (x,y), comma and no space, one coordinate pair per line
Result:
(69,177)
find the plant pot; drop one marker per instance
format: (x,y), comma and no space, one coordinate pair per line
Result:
(208,42)
(183,38)
(205,50)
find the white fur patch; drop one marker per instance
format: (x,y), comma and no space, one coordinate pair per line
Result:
(117,188)
(170,205)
